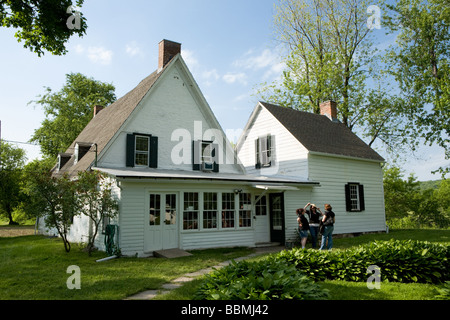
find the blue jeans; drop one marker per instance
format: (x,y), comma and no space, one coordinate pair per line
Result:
(327,235)
(314,231)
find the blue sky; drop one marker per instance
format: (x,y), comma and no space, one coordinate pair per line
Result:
(229,47)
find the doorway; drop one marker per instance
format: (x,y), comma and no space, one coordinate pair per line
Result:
(161,230)
(276,208)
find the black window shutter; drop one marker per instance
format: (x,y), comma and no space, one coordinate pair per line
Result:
(130,150)
(196,154)
(362,205)
(271,149)
(257,155)
(348,203)
(153,152)
(215,156)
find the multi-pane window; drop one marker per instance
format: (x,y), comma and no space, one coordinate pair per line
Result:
(261,206)
(245,210)
(142,146)
(190,211)
(354,197)
(227,210)
(277,214)
(207,156)
(264,151)
(155,211)
(209,210)
(171,209)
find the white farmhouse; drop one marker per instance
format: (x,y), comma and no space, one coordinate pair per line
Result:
(179,181)
(282,142)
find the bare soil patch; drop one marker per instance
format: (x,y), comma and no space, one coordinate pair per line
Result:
(16,231)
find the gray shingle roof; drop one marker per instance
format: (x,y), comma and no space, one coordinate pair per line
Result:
(318,134)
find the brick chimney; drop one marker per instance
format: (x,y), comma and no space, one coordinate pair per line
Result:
(167,50)
(97,109)
(329,109)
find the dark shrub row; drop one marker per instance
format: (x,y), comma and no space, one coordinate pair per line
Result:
(398,261)
(263,280)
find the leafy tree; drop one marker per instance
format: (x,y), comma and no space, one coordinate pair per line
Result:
(95,191)
(69,111)
(59,203)
(398,192)
(332,56)
(408,201)
(44,25)
(34,203)
(12,160)
(420,63)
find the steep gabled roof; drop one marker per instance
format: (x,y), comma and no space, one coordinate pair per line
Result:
(102,128)
(318,134)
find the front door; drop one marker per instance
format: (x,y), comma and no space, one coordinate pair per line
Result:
(262,233)
(276,207)
(161,231)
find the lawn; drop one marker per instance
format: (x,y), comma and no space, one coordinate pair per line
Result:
(35,267)
(345,290)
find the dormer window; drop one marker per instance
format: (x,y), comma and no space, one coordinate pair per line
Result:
(142,150)
(81,149)
(63,158)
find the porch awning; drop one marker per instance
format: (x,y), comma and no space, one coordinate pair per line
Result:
(256,181)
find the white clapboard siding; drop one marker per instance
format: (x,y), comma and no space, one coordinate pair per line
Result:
(216,239)
(290,154)
(134,218)
(131,224)
(333,173)
(292,201)
(174,111)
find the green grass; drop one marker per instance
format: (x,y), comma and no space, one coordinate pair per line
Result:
(34,267)
(345,290)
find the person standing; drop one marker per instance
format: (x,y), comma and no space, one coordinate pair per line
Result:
(328,221)
(314,215)
(303,226)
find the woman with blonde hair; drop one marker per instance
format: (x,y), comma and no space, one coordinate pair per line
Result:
(328,221)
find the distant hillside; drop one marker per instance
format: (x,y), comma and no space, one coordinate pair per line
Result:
(430,184)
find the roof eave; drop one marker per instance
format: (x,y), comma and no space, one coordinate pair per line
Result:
(380,160)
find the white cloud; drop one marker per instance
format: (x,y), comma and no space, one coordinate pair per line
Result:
(188,57)
(209,76)
(251,61)
(100,55)
(266,60)
(95,54)
(79,49)
(235,77)
(132,49)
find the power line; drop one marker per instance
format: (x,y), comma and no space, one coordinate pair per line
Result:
(21,142)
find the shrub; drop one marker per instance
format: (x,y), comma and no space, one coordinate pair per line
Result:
(262,280)
(399,261)
(443,291)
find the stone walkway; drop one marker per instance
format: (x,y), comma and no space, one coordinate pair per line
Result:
(176,283)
